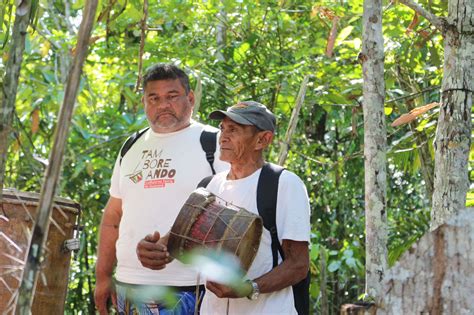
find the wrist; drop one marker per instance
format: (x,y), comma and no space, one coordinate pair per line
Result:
(255,290)
(103,275)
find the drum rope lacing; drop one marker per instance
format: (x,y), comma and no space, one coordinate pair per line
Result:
(217,216)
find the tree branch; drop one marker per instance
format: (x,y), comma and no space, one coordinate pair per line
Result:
(437,21)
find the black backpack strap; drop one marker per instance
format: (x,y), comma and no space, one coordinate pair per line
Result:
(130,141)
(208,142)
(267,193)
(205,181)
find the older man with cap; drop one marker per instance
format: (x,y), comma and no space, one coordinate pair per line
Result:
(247,129)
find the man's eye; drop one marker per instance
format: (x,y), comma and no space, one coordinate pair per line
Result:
(172,98)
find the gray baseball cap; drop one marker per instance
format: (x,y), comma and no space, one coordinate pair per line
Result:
(248,113)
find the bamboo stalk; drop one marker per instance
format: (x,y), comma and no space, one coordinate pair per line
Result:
(40,230)
(293,121)
(197,98)
(142,45)
(323,282)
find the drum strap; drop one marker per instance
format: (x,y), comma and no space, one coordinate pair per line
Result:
(208,141)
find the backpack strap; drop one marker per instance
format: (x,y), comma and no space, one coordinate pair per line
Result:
(267,194)
(130,141)
(208,142)
(205,181)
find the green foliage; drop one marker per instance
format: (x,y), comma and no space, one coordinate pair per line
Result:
(270,47)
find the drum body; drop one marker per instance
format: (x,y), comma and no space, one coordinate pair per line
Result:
(16,222)
(204,223)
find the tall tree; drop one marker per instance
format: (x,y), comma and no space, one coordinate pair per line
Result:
(453,134)
(375,144)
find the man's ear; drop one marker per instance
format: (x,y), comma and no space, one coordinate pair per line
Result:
(190,97)
(264,139)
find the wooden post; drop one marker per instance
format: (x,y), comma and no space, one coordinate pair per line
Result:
(40,230)
(293,121)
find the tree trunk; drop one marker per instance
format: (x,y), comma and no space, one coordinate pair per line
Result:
(375,146)
(10,81)
(453,135)
(435,275)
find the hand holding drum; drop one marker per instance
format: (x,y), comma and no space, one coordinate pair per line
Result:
(152,251)
(204,223)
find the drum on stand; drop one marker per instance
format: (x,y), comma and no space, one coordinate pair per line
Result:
(17,214)
(203,222)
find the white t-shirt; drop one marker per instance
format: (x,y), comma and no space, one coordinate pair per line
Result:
(155,178)
(292,220)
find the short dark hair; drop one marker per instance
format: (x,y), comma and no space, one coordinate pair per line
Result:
(166,71)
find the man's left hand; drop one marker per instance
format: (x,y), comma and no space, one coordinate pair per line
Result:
(152,251)
(223,291)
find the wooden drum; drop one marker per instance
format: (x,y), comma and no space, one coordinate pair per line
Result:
(17,214)
(204,223)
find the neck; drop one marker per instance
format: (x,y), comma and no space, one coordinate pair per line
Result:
(242,169)
(172,129)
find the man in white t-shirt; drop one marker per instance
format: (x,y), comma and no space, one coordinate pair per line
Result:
(149,185)
(247,129)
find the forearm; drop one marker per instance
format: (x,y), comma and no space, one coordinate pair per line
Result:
(106,259)
(291,271)
(284,275)
(108,235)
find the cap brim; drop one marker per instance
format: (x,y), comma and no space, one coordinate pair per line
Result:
(220,114)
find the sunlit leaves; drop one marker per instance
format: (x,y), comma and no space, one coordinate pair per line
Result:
(344,33)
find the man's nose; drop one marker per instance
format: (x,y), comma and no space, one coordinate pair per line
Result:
(222,137)
(163,104)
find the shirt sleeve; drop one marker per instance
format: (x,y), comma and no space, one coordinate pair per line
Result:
(293,209)
(114,189)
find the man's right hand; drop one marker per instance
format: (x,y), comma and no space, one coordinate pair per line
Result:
(152,251)
(103,291)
